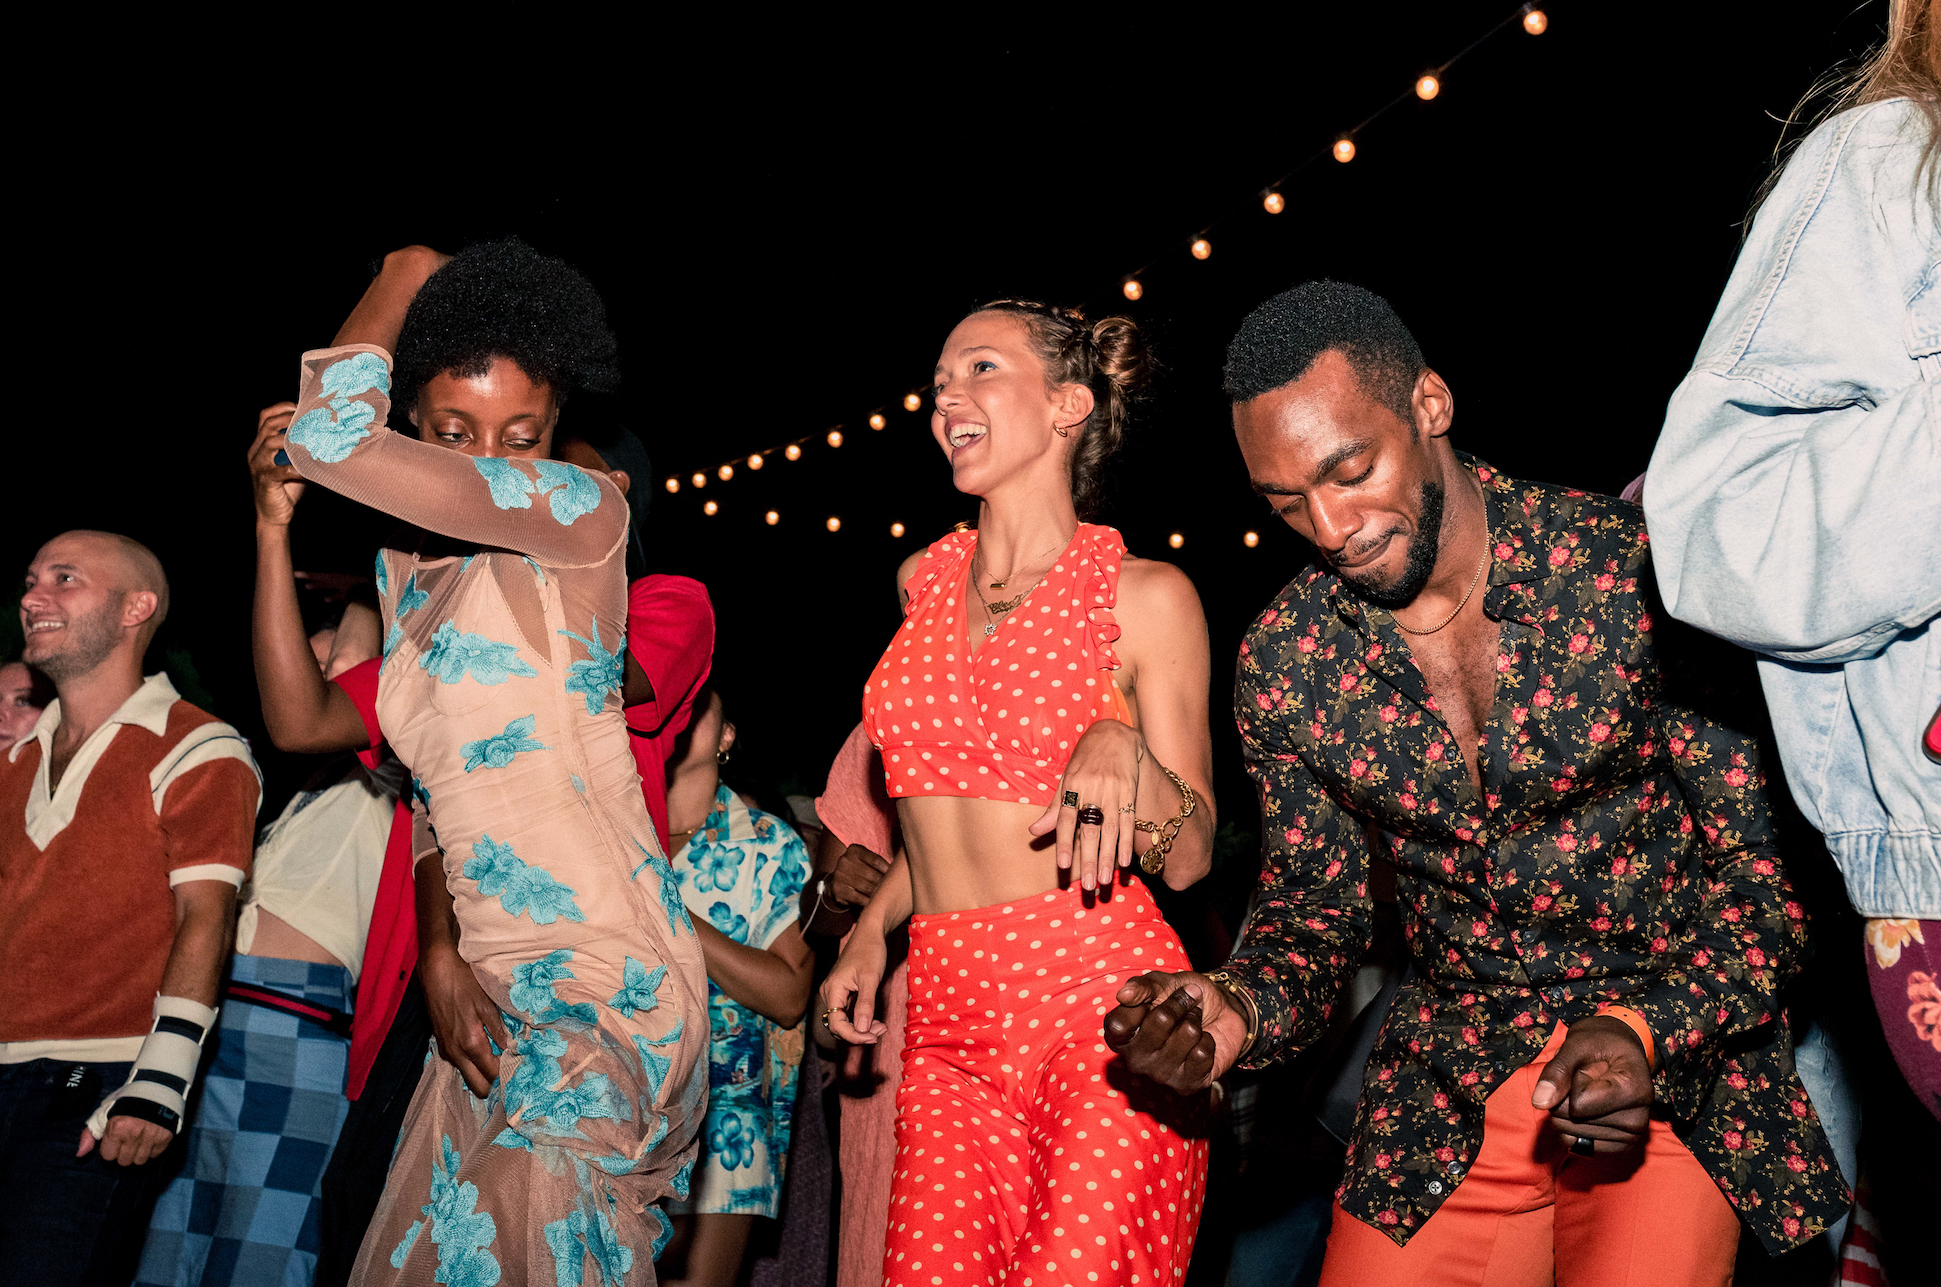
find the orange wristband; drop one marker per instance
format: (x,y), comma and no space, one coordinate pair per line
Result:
(1633,1020)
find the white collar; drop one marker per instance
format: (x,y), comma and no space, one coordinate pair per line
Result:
(146,707)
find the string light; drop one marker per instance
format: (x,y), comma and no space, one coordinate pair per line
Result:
(1133,289)
(1252,539)
(755,461)
(673,484)
(710,509)
(792,451)
(1536,22)
(1202,248)
(772,518)
(725,473)
(876,421)
(834,524)
(911,402)
(1427,88)
(699,479)
(1175,540)
(1344,150)
(835,437)
(896,529)
(1274,202)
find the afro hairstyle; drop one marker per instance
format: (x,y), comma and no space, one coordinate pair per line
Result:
(505,299)
(1280,341)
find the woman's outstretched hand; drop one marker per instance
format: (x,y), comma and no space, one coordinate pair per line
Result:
(278,486)
(1104,773)
(858,973)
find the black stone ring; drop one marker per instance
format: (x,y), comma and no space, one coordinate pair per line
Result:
(1071,799)
(1092,816)
(1583,1146)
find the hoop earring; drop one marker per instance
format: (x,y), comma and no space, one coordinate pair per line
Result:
(1061,432)
(721,757)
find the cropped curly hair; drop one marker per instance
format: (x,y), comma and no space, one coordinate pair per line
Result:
(505,299)
(1280,341)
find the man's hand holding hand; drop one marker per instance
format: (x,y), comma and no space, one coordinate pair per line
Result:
(1177,1029)
(129,1141)
(1598,1087)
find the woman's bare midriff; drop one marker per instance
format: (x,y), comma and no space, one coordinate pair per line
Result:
(966,853)
(277,937)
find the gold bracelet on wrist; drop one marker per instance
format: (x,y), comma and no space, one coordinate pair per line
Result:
(1153,861)
(1245,1000)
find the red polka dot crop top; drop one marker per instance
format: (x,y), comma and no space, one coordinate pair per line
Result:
(999,725)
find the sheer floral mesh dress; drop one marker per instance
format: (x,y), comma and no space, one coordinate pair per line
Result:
(501,690)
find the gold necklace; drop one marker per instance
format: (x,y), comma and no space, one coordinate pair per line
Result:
(1005,605)
(999,585)
(1473,583)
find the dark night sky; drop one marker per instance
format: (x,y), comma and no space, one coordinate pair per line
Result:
(785,222)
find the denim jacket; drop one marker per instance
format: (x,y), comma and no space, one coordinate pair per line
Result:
(1794,498)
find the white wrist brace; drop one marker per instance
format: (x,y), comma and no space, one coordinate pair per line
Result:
(157,1089)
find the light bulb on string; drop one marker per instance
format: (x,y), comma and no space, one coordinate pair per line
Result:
(755,461)
(673,484)
(711,509)
(1133,289)
(772,518)
(896,529)
(1344,150)
(1175,540)
(725,473)
(834,524)
(911,402)
(1202,248)
(699,479)
(1427,88)
(1536,22)
(876,421)
(835,437)
(793,451)
(1274,202)
(1252,539)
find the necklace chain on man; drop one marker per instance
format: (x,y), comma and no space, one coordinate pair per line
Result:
(1473,583)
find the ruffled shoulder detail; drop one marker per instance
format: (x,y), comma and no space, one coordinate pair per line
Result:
(944,554)
(1103,550)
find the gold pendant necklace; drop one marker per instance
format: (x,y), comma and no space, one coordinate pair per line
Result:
(999,585)
(1000,608)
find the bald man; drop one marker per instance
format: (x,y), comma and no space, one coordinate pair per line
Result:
(126,821)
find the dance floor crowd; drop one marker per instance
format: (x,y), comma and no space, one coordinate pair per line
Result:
(1537,982)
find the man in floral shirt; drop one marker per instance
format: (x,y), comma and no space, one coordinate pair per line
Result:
(1589,1065)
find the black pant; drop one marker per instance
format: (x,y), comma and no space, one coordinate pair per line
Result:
(354,1180)
(65,1219)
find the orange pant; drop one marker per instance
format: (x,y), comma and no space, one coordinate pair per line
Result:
(1020,1160)
(1530,1213)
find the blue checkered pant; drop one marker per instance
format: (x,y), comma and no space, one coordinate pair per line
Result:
(245,1207)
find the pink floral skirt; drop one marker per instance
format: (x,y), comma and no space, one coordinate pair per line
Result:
(1904,967)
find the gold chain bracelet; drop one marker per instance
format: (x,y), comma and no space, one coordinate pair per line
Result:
(1153,861)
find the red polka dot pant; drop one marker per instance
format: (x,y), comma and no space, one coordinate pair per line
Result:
(1019,1158)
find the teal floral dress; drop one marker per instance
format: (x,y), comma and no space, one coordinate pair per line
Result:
(743,871)
(500,688)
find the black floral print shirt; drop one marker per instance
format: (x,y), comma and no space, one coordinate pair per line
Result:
(1620,850)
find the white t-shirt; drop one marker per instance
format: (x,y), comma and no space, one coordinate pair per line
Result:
(317,868)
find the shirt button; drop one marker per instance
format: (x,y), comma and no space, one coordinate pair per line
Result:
(1435,1186)
(1455,1170)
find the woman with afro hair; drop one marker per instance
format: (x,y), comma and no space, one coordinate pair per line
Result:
(504,607)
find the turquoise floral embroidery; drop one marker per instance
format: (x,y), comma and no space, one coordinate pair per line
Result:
(601,673)
(572,1239)
(496,752)
(729,922)
(537,571)
(360,373)
(683,1178)
(511,489)
(331,433)
(383,577)
(454,653)
(578,783)
(532,990)
(656,1065)
(616,1164)
(732,1142)
(509,1138)
(716,866)
(670,889)
(518,886)
(666,1230)
(572,490)
(411,598)
(461,1233)
(530,1095)
(404,1247)
(639,987)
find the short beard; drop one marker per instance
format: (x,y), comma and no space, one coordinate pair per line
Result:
(1424,547)
(89,642)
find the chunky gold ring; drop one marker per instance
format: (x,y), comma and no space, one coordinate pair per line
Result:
(825,1016)
(1125,808)
(1071,799)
